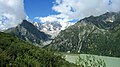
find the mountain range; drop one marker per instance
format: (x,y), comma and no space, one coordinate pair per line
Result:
(99,35)
(37,33)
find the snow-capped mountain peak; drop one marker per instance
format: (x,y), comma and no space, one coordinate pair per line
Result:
(52,28)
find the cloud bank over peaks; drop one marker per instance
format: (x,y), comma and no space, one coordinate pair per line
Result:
(83,8)
(11,13)
(69,10)
(62,19)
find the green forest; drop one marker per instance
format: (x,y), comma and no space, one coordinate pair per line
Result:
(18,53)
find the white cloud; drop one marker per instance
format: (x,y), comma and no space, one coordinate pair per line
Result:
(77,9)
(83,8)
(11,13)
(62,19)
(48,19)
(54,18)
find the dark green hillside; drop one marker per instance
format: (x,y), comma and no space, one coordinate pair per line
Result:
(17,53)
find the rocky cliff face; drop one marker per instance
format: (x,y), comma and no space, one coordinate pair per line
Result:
(28,32)
(98,35)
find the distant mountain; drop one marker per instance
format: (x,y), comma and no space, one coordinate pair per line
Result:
(98,35)
(28,32)
(51,28)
